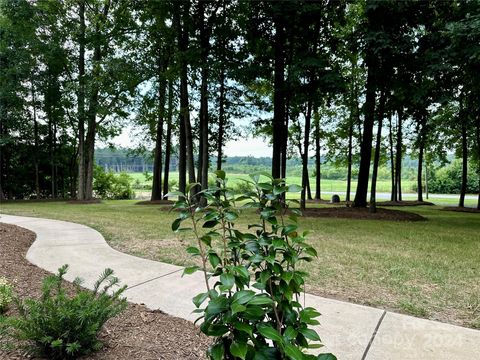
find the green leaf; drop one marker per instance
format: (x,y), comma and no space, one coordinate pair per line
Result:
(260,300)
(217,351)
(243,327)
(267,331)
(228,280)
(210,224)
(242,272)
(175,193)
(176,224)
(199,299)
(192,250)
(231,216)
(220,174)
(294,188)
(326,357)
(214,259)
(190,270)
(239,349)
(191,186)
(243,296)
(310,334)
(293,352)
(237,308)
(290,333)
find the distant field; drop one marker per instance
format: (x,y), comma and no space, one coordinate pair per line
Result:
(326,184)
(328,187)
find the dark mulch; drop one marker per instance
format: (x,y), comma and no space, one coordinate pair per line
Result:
(92,201)
(404,203)
(155,202)
(460,209)
(138,333)
(363,214)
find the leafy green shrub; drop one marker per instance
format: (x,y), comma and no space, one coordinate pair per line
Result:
(448,179)
(108,185)
(243,187)
(253,307)
(6,294)
(59,326)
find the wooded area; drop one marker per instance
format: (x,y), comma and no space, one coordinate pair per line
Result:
(362,82)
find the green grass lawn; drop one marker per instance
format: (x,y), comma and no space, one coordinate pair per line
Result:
(429,269)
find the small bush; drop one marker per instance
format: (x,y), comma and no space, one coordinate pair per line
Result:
(252,304)
(6,294)
(108,185)
(59,326)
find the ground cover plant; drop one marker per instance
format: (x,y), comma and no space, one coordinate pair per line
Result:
(6,293)
(269,323)
(428,269)
(58,325)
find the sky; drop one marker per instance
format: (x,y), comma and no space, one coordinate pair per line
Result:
(256,147)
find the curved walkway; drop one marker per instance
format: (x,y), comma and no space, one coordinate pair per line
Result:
(350,331)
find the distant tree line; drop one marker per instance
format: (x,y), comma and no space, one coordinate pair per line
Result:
(361,82)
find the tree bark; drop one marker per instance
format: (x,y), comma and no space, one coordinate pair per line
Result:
(398,160)
(306,143)
(393,195)
(35,135)
(318,173)
(376,159)
(421,148)
(168,139)
(477,132)
(463,187)
(366,145)
(278,98)
(221,120)
(157,161)
(203,158)
(81,105)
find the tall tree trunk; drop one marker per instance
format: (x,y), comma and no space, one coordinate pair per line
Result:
(318,159)
(221,120)
(421,148)
(168,139)
(399,154)
(81,105)
(157,161)
(463,188)
(203,158)
(376,158)
(366,145)
(92,121)
(349,160)
(306,143)
(184,111)
(35,135)
(278,98)
(477,132)
(393,195)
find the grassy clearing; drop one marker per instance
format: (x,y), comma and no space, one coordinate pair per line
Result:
(327,184)
(428,269)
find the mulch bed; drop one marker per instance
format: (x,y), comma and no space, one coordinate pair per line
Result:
(155,202)
(138,333)
(404,203)
(92,201)
(363,214)
(460,209)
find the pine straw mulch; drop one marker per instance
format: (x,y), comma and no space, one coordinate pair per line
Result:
(155,202)
(460,209)
(138,333)
(404,203)
(362,214)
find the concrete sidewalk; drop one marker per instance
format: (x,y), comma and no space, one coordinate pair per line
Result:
(350,331)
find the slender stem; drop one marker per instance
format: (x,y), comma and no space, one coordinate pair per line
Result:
(200,245)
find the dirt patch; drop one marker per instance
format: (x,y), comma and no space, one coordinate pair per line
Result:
(363,214)
(404,203)
(138,333)
(460,209)
(155,202)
